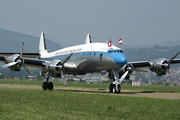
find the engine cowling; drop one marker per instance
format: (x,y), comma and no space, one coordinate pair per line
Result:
(128,67)
(14,62)
(160,66)
(54,66)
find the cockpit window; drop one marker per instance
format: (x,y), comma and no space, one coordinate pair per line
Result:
(114,51)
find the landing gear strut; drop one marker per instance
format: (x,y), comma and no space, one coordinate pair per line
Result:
(47,85)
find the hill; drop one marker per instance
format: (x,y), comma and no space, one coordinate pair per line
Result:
(11,42)
(152,53)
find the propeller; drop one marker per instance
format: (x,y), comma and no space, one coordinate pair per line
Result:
(123,77)
(8,65)
(23,65)
(173,57)
(60,66)
(166,65)
(67,58)
(19,61)
(62,74)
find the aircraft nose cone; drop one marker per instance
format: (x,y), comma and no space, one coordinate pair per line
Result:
(121,60)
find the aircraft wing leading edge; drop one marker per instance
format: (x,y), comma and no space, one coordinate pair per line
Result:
(25,55)
(140,64)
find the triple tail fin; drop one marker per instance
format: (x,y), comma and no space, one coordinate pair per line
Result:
(42,45)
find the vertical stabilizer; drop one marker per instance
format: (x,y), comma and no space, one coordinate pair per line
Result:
(42,45)
(88,39)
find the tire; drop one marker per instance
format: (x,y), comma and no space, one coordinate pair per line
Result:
(119,89)
(111,88)
(44,85)
(50,86)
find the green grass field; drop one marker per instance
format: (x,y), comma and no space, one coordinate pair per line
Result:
(17,104)
(143,88)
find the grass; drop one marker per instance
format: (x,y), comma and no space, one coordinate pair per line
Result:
(33,104)
(143,88)
(36,104)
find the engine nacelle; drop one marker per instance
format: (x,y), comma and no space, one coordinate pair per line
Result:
(159,66)
(54,66)
(70,67)
(15,58)
(128,67)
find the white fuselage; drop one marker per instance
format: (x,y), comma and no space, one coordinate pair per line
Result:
(89,58)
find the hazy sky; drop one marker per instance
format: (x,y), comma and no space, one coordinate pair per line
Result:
(68,21)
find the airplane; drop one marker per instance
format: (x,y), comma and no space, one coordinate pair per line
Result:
(83,59)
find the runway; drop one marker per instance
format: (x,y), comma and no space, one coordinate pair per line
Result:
(161,95)
(147,94)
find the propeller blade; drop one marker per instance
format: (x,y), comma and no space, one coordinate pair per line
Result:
(22,49)
(63,78)
(67,58)
(168,71)
(169,78)
(27,69)
(62,74)
(165,65)
(174,56)
(123,77)
(9,65)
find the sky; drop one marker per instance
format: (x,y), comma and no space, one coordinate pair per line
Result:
(67,22)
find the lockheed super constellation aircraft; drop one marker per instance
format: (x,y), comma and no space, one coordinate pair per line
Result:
(82,59)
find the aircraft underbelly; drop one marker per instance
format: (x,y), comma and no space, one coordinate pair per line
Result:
(90,65)
(95,65)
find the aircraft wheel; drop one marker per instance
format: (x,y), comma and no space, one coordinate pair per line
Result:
(50,86)
(114,89)
(44,85)
(119,89)
(111,88)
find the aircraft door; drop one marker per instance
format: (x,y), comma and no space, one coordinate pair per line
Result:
(101,58)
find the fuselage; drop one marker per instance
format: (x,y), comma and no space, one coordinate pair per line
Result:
(90,58)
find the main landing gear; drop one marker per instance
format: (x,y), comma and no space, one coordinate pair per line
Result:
(114,87)
(46,84)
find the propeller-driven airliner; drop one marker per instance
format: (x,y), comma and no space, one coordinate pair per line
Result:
(83,59)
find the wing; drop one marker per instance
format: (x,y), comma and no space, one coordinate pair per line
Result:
(25,55)
(12,59)
(36,63)
(160,66)
(139,64)
(175,61)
